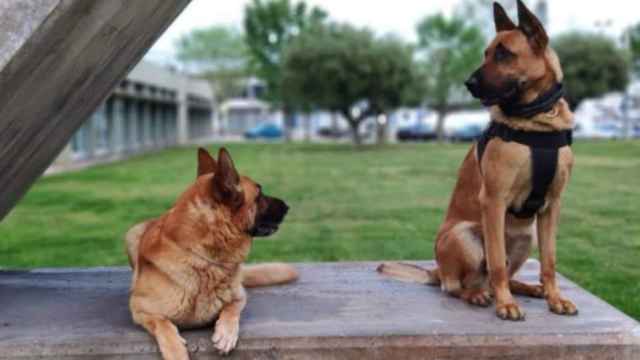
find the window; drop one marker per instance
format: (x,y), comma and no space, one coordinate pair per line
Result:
(101,130)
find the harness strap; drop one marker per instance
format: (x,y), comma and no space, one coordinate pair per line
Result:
(544,159)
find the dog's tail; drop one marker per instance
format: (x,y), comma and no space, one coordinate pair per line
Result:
(410,273)
(132,241)
(268,274)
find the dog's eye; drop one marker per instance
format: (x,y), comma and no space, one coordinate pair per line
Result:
(502,54)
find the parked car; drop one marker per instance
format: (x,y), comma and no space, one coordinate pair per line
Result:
(330,132)
(603,129)
(264,131)
(469,132)
(608,130)
(416,132)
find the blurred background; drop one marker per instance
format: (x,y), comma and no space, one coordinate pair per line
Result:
(355,113)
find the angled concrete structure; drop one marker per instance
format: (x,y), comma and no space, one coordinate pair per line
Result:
(58,60)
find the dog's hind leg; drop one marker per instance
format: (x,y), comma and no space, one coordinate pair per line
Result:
(463,268)
(171,344)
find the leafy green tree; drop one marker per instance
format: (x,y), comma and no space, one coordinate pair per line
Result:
(593,65)
(218,53)
(450,49)
(634,46)
(270,26)
(349,71)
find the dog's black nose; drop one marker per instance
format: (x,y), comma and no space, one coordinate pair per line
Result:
(471,83)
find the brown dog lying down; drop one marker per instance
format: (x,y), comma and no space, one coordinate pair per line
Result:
(493,221)
(187,264)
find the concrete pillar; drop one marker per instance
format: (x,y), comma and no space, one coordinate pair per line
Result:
(148,130)
(183,113)
(158,124)
(118,123)
(173,115)
(132,123)
(99,131)
(90,137)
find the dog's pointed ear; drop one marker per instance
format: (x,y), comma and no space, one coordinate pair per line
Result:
(529,24)
(226,182)
(502,20)
(206,163)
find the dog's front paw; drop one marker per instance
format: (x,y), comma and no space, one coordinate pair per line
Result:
(510,311)
(225,336)
(561,306)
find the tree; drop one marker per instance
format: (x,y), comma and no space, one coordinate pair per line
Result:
(270,26)
(634,46)
(219,53)
(350,71)
(593,65)
(449,50)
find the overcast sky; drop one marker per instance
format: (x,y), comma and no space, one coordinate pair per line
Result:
(399,16)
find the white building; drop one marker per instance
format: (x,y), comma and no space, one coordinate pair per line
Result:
(152,108)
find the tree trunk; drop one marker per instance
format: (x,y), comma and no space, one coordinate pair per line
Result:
(381,130)
(307,127)
(442,112)
(287,123)
(357,139)
(334,122)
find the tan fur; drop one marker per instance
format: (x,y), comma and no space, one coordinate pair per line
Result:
(409,273)
(267,274)
(187,265)
(480,246)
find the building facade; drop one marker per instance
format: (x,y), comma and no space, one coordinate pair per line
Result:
(152,108)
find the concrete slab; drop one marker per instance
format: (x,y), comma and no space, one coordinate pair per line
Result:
(335,311)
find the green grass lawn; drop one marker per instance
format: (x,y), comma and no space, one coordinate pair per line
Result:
(371,204)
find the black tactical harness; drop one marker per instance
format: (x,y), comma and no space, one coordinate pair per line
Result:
(544,154)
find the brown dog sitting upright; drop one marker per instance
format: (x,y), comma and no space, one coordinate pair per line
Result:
(187,264)
(509,186)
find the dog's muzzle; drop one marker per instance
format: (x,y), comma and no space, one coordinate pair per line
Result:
(489,96)
(268,222)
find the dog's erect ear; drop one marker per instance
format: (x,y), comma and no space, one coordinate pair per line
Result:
(226,182)
(529,24)
(206,163)
(502,20)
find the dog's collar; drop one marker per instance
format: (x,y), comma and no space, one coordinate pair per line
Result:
(542,104)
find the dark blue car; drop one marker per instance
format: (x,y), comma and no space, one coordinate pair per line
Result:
(416,132)
(264,131)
